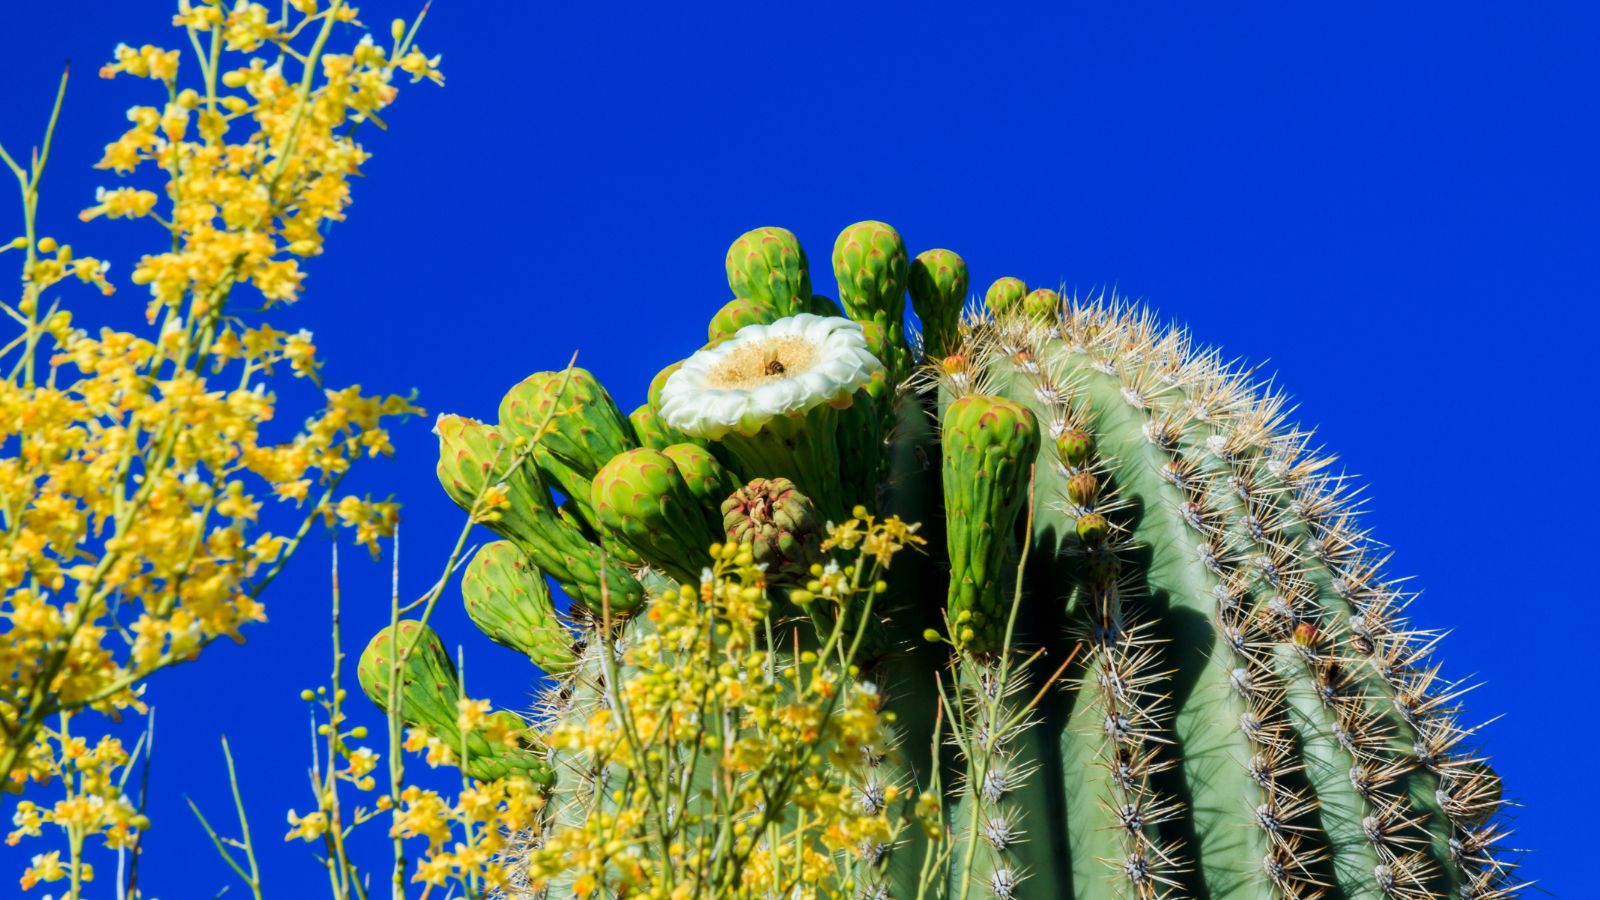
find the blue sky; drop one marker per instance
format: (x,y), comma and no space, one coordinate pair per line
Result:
(1394,209)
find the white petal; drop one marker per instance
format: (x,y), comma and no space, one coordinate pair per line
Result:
(843,364)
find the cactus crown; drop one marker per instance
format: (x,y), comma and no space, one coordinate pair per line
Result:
(1152,644)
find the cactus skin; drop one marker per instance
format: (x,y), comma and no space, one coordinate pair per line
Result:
(768,266)
(1242,714)
(641,497)
(989,446)
(428,693)
(938,284)
(506,597)
(474,456)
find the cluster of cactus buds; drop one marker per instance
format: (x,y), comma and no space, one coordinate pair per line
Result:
(1182,673)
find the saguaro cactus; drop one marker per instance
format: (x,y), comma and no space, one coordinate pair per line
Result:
(1154,643)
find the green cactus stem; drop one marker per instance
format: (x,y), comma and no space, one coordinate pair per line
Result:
(507,598)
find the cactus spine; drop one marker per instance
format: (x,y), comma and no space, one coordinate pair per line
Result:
(1168,662)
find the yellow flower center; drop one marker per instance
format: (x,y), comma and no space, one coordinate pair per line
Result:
(762,361)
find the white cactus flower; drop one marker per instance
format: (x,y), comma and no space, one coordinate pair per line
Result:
(764,371)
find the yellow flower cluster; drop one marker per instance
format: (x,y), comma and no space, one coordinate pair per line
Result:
(93,805)
(728,761)
(136,465)
(244,211)
(472,839)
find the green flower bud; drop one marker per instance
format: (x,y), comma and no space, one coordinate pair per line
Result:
(643,500)
(870,263)
(736,314)
(707,479)
(938,282)
(427,695)
(507,598)
(1082,489)
(585,428)
(654,432)
(768,265)
(1005,295)
(473,457)
(1075,447)
(1041,305)
(825,306)
(989,445)
(659,381)
(1092,528)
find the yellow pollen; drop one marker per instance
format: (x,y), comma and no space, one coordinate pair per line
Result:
(760,362)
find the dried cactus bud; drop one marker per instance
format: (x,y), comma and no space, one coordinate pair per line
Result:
(989,446)
(427,700)
(781,525)
(641,499)
(1041,304)
(938,284)
(1004,295)
(736,314)
(507,598)
(1075,447)
(769,266)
